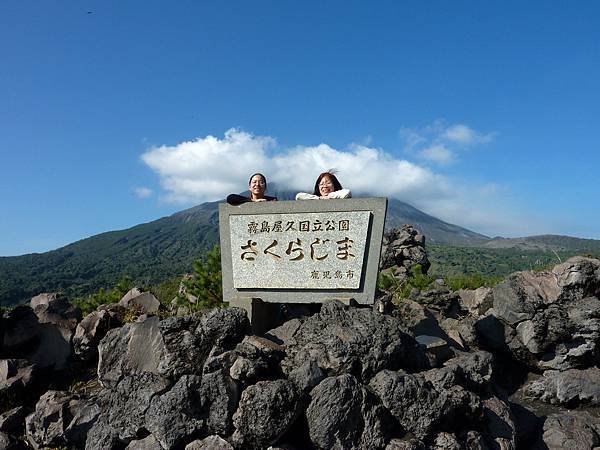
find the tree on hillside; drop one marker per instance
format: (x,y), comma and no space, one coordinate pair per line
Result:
(206,282)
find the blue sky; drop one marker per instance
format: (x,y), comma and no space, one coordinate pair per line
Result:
(116,113)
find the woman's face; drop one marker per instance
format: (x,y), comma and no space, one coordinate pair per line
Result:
(257,186)
(325,185)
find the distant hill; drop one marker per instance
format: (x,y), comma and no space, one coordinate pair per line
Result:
(546,242)
(159,250)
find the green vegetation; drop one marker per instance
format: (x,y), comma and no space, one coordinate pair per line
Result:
(402,289)
(420,281)
(166,291)
(491,263)
(471,281)
(150,254)
(205,284)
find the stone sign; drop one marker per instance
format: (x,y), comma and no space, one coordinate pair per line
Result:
(320,250)
(302,251)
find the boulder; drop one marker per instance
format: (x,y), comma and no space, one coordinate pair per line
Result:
(148,443)
(265,413)
(10,367)
(344,414)
(403,248)
(21,332)
(219,396)
(174,416)
(41,335)
(13,421)
(420,407)
(307,376)
(132,349)
(578,277)
(499,423)
(340,339)
(124,407)
(285,332)
(570,388)
(213,442)
(571,431)
(24,386)
(60,419)
(441,300)
(90,331)
(541,320)
(173,347)
(140,302)
(476,301)
(59,312)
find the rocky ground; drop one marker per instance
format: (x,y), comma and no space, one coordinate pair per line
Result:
(516,366)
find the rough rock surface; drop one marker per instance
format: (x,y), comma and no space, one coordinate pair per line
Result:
(60,419)
(476,301)
(340,339)
(343,414)
(41,333)
(571,431)
(547,320)
(569,388)
(210,443)
(401,250)
(266,411)
(90,331)
(140,302)
(419,407)
(344,377)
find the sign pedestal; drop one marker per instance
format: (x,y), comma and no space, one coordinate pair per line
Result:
(299,252)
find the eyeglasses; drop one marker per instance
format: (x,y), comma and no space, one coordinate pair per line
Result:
(325,183)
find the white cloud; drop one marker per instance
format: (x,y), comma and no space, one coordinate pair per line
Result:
(437,153)
(142,192)
(209,168)
(462,134)
(440,143)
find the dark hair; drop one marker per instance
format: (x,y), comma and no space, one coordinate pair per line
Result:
(336,184)
(261,175)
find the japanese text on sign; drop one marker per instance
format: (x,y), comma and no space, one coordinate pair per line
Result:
(299,251)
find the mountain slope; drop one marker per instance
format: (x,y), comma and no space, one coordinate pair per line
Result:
(158,250)
(155,251)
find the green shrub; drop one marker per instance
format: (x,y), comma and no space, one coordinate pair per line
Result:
(102,297)
(402,289)
(206,283)
(471,281)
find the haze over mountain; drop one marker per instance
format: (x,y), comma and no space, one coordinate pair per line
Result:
(164,248)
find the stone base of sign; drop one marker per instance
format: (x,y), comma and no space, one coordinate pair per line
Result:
(262,315)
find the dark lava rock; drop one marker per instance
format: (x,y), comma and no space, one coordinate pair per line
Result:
(571,431)
(569,388)
(344,414)
(266,411)
(60,419)
(173,416)
(420,407)
(362,342)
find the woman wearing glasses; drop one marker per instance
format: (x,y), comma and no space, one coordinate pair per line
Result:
(327,186)
(257,185)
